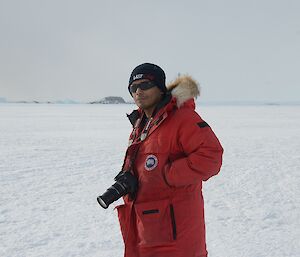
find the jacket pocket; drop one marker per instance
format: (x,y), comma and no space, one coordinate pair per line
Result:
(155,223)
(123,215)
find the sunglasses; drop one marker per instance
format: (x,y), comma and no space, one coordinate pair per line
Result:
(143,86)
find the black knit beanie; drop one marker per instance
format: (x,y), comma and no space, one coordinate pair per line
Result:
(151,72)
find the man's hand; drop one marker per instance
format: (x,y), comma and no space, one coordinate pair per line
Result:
(129,181)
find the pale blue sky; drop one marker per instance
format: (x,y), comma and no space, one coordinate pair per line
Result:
(85,50)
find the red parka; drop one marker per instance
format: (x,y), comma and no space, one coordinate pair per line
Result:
(171,156)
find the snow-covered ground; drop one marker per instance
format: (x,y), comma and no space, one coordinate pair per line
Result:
(56,159)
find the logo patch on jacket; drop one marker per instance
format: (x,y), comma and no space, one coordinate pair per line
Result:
(151,162)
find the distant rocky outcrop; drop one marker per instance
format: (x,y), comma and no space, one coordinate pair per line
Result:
(110,100)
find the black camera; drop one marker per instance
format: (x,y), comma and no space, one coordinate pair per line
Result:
(126,183)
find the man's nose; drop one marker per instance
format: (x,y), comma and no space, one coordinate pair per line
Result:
(138,91)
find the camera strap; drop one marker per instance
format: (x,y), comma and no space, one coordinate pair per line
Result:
(134,155)
(136,142)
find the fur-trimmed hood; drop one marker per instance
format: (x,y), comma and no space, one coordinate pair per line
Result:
(184,88)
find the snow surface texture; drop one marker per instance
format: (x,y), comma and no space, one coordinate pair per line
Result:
(56,159)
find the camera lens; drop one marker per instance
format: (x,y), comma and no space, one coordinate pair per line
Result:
(101,202)
(112,194)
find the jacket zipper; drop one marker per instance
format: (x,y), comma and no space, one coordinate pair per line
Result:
(173,222)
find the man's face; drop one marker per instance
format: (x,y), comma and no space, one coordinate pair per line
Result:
(146,99)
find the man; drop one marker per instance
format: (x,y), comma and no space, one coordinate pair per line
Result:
(171,151)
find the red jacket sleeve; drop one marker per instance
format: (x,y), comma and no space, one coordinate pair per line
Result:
(202,150)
